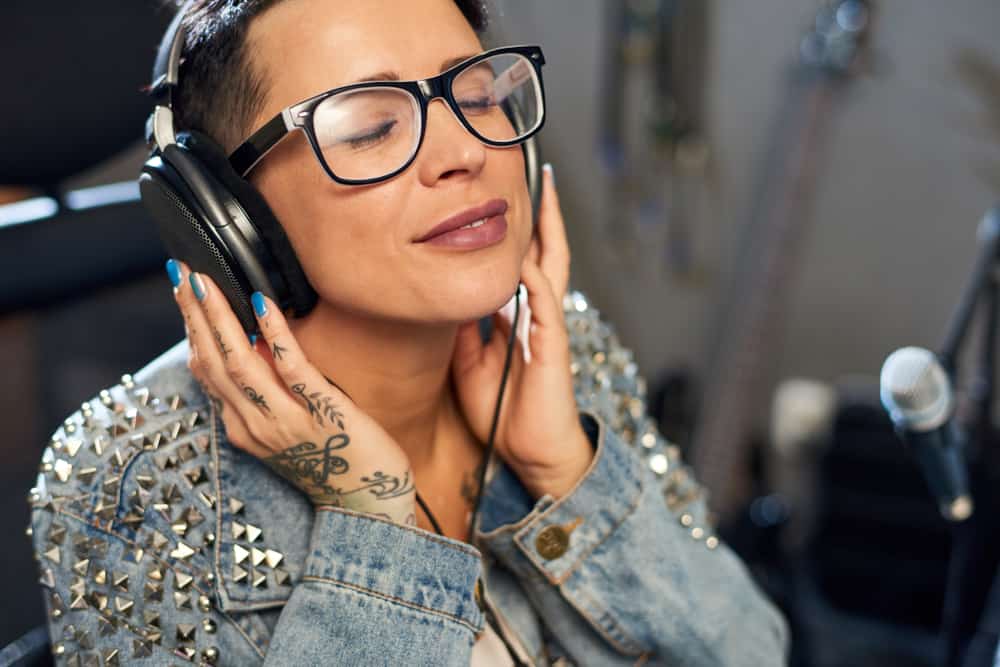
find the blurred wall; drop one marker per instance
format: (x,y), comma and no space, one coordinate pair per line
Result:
(913,162)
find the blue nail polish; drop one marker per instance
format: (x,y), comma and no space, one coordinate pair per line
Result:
(259,306)
(253,339)
(199,291)
(174,272)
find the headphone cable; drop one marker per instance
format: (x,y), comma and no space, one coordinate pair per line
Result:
(488,614)
(487,458)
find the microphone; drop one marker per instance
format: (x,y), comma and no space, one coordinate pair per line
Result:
(917,394)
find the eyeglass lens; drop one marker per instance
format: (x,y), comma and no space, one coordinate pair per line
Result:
(367,133)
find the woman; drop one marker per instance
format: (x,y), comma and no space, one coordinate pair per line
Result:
(280,500)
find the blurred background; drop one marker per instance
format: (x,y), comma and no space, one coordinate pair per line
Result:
(765,198)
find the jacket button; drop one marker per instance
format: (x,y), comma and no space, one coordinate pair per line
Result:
(552,541)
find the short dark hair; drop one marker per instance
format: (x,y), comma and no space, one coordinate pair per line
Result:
(220,92)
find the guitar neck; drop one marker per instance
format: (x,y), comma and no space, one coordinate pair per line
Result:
(737,386)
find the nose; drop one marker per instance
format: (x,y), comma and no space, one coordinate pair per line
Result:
(449,150)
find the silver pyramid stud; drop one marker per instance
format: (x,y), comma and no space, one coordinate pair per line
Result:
(106,626)
(142,648)
(182,552)
(152,591)
(186,652)
(63,469)
(273,557)
(196,476)
(182,581)
(57,534)
(73,445)
(186,452)
(141,395)
(239,554)
(185,632)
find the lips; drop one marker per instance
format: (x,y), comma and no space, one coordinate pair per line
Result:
(484,211)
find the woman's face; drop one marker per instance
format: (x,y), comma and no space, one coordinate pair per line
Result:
(357,244)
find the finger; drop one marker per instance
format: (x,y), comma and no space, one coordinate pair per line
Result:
(547,333)
(554,257)
(224,396)
(534,249)
(321,397)
(237,432)
(502,332)
(241,364)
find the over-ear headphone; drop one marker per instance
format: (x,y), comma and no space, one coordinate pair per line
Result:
(215,220)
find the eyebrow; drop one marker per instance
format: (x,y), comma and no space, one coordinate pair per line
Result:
(389,75)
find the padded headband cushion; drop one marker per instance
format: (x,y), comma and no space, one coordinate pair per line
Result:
(301,296)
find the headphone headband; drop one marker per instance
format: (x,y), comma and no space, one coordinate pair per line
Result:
(166,73)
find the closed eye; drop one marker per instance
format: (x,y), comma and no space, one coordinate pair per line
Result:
(379,133)
(477,103)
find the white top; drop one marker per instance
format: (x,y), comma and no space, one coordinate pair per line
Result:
(489,651)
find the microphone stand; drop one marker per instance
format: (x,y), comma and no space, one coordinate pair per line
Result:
(986,261)
(975,549)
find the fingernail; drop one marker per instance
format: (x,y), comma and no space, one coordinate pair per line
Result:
(259,305)
(548,167)
(197,286)
(253,339)
(174,272)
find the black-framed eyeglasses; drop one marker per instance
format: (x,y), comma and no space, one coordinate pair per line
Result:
(368,132)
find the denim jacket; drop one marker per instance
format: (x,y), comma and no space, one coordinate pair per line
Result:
(158,542)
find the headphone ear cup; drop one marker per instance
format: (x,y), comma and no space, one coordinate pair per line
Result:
(271,246)
(193,225)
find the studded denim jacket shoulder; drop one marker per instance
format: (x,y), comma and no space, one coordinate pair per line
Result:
(160,543)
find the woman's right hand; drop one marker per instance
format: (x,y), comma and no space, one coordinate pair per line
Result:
(285,412)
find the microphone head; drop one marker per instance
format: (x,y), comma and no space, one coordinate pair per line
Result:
(915,389)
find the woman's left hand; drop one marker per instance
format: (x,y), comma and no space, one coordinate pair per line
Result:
(539,433)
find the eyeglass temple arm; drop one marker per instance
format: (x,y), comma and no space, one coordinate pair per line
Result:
(256,147)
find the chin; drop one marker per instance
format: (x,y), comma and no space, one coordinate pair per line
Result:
(450,286)
(475,291)
(474,299)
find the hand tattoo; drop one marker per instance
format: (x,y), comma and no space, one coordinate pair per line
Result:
(255,398)
(277,351)
(310,467)
(319,406)
(380,487)
(313,468)
(384,486)
(222,346)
